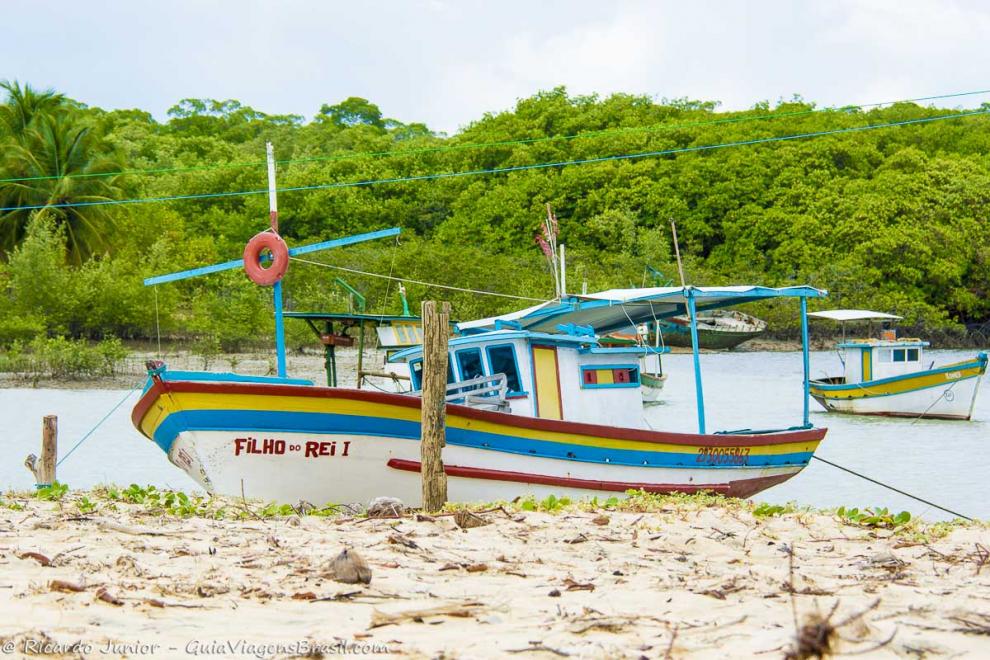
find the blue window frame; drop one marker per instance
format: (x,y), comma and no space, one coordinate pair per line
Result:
(469,363)
(502,360)
(602,376)
(416,373)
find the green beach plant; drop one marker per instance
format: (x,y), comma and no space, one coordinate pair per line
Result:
(873,517)
(53,493)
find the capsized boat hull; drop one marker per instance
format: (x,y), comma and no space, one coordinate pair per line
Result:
(948,392)
(289,443)
(709,339)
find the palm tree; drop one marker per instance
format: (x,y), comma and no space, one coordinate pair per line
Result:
(23,105)
(50,160)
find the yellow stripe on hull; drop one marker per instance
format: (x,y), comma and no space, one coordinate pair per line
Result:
(189,401)
(901,385)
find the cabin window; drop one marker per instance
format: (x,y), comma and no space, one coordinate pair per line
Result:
(899,354)
(469,363)
(912,355)
(416,373)
(609,376)
(884,355)
(502,360)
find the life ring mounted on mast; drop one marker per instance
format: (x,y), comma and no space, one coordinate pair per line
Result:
(278,256)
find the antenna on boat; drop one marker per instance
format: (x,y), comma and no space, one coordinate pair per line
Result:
(277,287)
(563,272)
(547,240)
(677,251)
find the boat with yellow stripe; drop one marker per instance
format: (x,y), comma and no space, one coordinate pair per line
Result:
(886,376)
(536,405)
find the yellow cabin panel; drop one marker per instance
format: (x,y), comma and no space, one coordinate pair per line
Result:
(546,382)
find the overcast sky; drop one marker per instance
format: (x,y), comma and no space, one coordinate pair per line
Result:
(447,62)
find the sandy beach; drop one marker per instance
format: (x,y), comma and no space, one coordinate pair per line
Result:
(97,575)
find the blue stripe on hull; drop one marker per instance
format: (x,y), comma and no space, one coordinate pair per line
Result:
(834,390)
(844,387)
(333,424)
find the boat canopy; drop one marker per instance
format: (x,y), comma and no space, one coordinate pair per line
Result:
(615,309)
(854,315)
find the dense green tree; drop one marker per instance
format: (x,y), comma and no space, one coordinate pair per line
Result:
(894,219)
(352,112)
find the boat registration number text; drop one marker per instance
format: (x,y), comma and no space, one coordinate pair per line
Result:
(274,447)
(723,455)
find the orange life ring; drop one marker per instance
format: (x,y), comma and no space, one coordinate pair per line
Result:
(258,273)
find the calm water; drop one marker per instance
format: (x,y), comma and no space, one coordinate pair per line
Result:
(943,461)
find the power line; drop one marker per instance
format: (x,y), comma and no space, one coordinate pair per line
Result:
(406,279)
(499,143)
(503,170)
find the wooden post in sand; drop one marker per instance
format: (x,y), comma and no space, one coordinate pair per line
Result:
(44,470)
(436,326)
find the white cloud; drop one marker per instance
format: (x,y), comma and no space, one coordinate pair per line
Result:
(446,62)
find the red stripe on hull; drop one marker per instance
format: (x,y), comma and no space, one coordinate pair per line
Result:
(901,415)
(160,388)
(737,488)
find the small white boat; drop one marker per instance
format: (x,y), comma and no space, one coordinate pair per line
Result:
(887,376)
(652,378)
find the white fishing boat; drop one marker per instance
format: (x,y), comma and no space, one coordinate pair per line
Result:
(536,405)
(887,376)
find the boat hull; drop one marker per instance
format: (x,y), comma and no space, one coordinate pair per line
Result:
(945,393)
(291,443)
(651,386)
(709,339)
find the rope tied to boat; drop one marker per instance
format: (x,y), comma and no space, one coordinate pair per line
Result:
(100,423)
(889,487)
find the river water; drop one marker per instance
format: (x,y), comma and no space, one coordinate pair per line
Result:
(946,462)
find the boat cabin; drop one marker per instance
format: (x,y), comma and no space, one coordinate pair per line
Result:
(567,375)
(866,360)
(874,359)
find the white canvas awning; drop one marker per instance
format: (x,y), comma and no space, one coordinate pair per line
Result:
(615,309)
(854,315)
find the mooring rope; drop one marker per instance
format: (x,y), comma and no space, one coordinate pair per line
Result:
(100,423)
(943,395)
(889,487)
(406,279)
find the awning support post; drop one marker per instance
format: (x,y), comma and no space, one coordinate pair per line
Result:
(698,388)
(805,358)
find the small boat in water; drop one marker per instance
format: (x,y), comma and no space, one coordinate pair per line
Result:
(717,329)
(887,376)
(651,375)
(652,378)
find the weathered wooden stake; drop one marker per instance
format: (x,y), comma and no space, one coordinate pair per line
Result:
(44,470)
(436,326)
